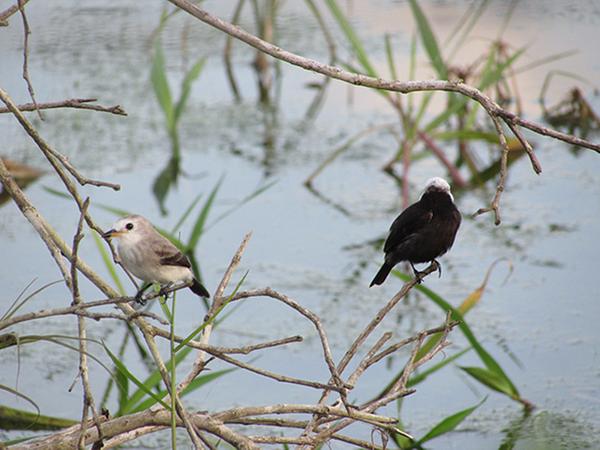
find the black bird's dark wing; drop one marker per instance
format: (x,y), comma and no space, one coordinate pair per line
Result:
(173,258)
(408,222)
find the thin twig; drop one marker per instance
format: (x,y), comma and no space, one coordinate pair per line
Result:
(52,155)
(88,398)
(268,292)
(371,82)
(77,103)
(199,363)
(26,33)
(495,205)
(8,12)
(351,352)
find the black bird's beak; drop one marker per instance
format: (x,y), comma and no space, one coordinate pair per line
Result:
(109,234)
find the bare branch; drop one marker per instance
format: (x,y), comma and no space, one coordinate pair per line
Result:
(377,83)
(52,155)
(77,103)
(10,11)
(26,33)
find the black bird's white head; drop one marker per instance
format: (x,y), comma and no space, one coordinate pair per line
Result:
(437,184)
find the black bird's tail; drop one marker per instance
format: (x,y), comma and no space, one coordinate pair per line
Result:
(198,289)
(382,274)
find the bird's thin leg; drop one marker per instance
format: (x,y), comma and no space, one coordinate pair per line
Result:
(162,292)
(139,296)
(439,268)
(418,275)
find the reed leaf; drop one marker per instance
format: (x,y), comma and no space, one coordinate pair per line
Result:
(485,357)
(492,380)
(352,37)
(429,40)
(108,263)
(424,374)
(186,86)
(158,77)
(197,383)
(194,333)
(125,371)
(151,382)
(198,228)
(449,423)
(18,303)
(17,419)
(185,215)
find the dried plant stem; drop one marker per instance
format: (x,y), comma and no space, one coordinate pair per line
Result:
(77,103)
(52,155)
(26,33)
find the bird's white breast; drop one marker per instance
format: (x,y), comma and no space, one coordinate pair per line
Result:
(145,265)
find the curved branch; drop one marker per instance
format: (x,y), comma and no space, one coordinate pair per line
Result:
(357,79)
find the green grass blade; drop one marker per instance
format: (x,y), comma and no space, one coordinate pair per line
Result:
(242,202)
(491,380)
(122,368)
(186,86)
(17,419)
(466,135)
(17,304)
(389,54)
(151,382)
(352,37)
(198,228)
(185,215)
(485,357)
(412,69)
(23,396)
(194,333)
(165,180)
(466,24)
(495,72)
(108,263)
(429,40)
(488,78)
(422,376)
(158,76)
(546,60)
(197,383)
(449,423)
(122,383)
(117,211)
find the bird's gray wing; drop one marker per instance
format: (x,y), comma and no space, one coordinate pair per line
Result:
(168,254)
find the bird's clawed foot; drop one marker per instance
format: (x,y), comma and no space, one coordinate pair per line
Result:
(421,275)
(418,275)
(163,292)
(438,268)
(139,297)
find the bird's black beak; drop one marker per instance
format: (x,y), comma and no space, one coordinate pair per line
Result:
(109,234)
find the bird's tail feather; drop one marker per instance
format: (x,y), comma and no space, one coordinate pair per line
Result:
(198,289)
(382,274)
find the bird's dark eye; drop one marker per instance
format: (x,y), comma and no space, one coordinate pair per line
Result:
(129,226)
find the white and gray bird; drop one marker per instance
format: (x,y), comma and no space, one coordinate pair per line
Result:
(151,257)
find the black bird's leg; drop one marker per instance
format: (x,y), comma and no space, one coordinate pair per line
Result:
(439,268)
(139,296)
(163,290)
(418,275)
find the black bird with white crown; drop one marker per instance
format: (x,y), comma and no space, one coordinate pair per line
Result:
(423,231)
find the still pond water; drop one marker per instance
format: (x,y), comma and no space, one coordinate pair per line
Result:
(541,323)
